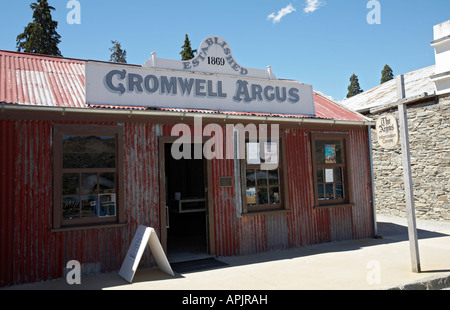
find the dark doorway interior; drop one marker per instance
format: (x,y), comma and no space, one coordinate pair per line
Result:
(187,232)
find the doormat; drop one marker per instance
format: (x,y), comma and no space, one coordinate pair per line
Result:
(197,265)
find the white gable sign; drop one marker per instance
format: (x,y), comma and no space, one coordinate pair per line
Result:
(213,80)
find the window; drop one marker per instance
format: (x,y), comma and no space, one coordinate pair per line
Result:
(331,181)
(88,175)
(263,177)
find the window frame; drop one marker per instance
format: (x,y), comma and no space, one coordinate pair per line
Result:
(60,130)
(282,176)
(346,179)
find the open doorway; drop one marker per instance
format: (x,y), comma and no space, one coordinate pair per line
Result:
(186,207)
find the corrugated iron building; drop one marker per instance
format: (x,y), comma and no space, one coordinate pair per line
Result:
(38,93)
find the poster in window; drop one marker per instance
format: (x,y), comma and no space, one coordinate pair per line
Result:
(253,157)
(330,153)
(107,205)
(271,153)
(251,196)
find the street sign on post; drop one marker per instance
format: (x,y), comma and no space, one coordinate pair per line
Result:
(407,176)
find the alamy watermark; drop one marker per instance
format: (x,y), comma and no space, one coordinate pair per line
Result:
(258,144)
(373,277)
(74,15)
(374,16)
(73,276)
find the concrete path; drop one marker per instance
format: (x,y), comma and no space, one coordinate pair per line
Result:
(368,264)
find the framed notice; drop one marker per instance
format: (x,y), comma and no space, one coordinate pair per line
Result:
(226,182)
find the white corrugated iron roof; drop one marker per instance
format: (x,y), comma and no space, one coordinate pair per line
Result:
(416,83)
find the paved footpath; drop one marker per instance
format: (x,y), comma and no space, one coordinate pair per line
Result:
(369,264)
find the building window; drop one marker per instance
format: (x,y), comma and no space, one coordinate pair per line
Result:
(263,177)
(330,160)
(88,175)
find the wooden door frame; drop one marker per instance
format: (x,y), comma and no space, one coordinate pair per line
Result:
(163,140)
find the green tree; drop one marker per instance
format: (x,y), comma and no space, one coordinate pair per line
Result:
(187,53)
(40,36)
(354,88)
(117,53)
(387,74)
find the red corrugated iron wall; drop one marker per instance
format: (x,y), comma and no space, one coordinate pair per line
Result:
(224,209)
(34,257)
(363,220)
(308,225)
(141,182)
(303,225)
(304,229)
(7,172)
(30,251)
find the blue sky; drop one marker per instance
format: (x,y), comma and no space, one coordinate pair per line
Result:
(317,42)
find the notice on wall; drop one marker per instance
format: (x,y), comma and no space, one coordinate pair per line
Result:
(144,236)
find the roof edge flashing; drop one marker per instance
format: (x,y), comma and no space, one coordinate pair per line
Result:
(178,114)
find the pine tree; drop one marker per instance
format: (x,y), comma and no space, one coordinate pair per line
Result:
(117,53)
(354,88)
(187,53)
(40,36)
(387,74)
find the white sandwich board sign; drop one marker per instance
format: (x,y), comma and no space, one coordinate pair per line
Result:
(144,236)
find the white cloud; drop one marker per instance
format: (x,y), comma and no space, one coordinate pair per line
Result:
(312,6)
(276,18)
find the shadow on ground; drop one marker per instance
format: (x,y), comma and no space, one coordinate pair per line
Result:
(400,232)
(390,232)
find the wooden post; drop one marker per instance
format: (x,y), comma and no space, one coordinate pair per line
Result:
(407,177)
